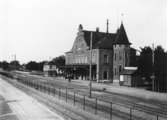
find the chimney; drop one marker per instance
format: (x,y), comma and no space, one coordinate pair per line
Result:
(80,28)
(107,25)
(97,29)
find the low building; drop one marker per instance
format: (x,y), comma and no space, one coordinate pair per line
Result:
(130,78)
(50,70)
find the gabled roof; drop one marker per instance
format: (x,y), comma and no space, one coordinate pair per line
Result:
(121,37)
(100,39)
(105,40)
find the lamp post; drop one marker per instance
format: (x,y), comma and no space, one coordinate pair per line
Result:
(90,67)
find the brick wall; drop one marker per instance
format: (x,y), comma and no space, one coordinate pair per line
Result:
(103,65)
(121,58)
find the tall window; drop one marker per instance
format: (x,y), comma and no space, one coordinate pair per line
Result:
(126,58)
(115,71)
(115,56)
(105,75)
(120,56)
(105,58)
(120,68)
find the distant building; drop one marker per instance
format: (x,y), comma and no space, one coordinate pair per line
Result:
(50,70)
(111,52)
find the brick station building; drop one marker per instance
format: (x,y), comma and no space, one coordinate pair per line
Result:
(111,52)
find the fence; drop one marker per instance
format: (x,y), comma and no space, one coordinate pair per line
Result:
(107,109)
(98,106)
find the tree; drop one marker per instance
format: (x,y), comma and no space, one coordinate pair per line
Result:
(145,63)
(59,62)
(5,65)
(40,65)
(33,65)
(160,68)
(146,67)
(14,65)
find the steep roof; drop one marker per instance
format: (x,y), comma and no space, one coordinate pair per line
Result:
(121,37)
(100,39)
(105,40)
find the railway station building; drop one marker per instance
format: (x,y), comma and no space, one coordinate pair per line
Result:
(110,53)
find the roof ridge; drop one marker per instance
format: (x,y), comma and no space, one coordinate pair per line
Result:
(96,32)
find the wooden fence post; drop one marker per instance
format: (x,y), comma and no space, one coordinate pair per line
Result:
(59,92)
(130,113)
(74,98)
(111,111)
(96,106)
(84,102)
(157,117)
(66,94)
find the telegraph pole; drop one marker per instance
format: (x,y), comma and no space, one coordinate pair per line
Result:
(90,67)
(15,61)
(153,75)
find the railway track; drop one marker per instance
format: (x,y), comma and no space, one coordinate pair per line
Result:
(51,103)
(125,100)
(101,107)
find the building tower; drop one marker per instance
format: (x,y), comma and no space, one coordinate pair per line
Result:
(121,56)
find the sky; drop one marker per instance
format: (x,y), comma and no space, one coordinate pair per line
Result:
(43,29)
